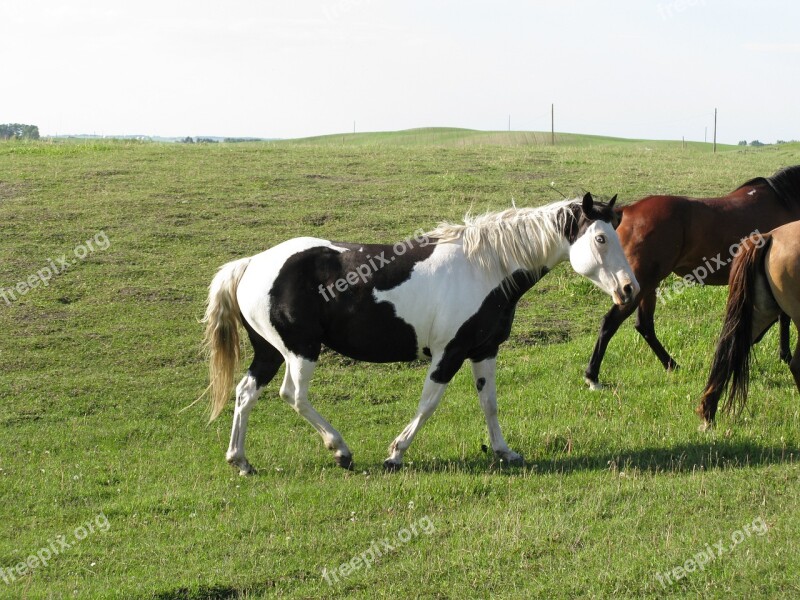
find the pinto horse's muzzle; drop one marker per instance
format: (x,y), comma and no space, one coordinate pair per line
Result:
(626,293)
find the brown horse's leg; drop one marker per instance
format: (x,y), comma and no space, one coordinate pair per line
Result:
(786,353)
(646,327)
(608,327)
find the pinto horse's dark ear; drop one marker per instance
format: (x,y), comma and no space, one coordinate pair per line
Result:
(588,204)
(611,202)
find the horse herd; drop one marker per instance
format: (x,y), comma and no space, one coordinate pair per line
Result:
(449,296)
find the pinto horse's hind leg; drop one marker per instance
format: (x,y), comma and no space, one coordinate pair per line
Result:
(431,395)
(295,392)
(266,362)
(645,325)
(484,376)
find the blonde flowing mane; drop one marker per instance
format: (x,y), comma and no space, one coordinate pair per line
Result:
(511,239)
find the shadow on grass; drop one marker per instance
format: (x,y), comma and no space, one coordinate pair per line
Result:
(679,458)
(217,592)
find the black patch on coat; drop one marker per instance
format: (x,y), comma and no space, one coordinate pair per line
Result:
(427,351)
(266,358)
(480,336)
(480,383)
(347,319)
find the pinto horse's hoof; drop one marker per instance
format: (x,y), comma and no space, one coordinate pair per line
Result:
(244,467)
(345,461)
(511,459)
(391,466)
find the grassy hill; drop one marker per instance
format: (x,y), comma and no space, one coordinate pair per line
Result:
(451,136)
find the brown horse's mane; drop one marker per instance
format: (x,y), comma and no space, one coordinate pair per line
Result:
(785,183)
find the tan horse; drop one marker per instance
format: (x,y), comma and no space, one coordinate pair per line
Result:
(764,284)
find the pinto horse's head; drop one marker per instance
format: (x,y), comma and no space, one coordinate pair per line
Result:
(596,253)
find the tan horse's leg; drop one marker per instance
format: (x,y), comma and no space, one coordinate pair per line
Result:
(783,272)
(794,365)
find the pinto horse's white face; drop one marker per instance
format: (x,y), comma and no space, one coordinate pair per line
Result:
(597,255)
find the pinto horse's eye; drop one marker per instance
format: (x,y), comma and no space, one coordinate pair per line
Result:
(600,239)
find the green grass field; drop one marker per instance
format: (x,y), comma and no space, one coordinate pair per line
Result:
(619,487)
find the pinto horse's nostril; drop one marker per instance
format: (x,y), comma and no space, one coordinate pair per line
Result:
(628,289)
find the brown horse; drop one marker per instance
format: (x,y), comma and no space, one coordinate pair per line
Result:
(694,238)
(764,283)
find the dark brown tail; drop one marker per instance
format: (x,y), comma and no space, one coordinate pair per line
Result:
(732,358)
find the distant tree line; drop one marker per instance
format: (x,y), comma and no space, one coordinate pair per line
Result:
(199,140)
(18,131)
(756,143)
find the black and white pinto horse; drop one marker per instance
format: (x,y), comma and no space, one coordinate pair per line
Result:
(447,296)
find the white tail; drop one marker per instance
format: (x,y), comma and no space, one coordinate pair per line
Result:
(222,321)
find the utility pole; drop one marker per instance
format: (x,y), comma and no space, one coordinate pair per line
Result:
(552,125)
(509,122)
(715,130)
(354,126)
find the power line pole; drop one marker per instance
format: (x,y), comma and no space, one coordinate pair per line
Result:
(715,130)
(552,125)
(509,122)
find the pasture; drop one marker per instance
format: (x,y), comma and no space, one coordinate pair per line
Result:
(619,487)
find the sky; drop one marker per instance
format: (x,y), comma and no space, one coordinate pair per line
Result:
(293,68)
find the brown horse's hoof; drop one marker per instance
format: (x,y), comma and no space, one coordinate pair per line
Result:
(593,385)
(705,426)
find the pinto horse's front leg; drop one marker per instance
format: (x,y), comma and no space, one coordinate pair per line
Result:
(484,376)
(432,393)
